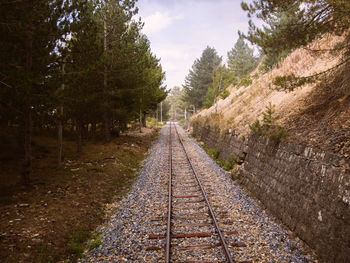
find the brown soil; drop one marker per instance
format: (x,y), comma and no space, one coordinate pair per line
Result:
(52,219)
(323,119)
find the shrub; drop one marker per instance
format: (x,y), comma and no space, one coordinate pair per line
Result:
(230,163)
(213,152)
(182,122)
(246,81)
(224,94)
(77,241)
(269,127)
(95,241)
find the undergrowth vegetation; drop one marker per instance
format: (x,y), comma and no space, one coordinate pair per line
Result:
(227,164)
(230,163)
(213,152)
(269,127)
(61,208)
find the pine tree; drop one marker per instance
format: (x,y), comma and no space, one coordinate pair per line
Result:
(295,23)
(222,78)
(200,77)
(241,59)
(108,66)
(29,32)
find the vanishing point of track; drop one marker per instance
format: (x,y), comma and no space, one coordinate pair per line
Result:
(184,184)
(138,232)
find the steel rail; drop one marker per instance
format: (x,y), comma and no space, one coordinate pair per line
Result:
(168,242)
(222,238)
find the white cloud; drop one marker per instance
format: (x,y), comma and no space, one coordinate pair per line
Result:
(175,59)
(179,40)
(158,21)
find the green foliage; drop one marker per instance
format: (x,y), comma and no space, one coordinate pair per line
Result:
(256,128)
(224,94)
(152,122)
(77,241)
(222,78)
(291,24)
(177,105)
(200,78)
(271,59)
(29,32)
(94,241)
(112,75)
(81,239)
(182,122)
(213,152)
(47,253)
(166,106)
(87,59)
(269,127)
(290,82)
(210,97)
(230,163)
(241,59)
(245,81)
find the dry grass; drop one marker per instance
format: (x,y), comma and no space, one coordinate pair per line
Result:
(245,104)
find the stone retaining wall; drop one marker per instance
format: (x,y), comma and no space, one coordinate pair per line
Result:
(307,189)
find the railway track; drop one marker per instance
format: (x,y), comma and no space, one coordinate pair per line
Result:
(193,234)
(139,230)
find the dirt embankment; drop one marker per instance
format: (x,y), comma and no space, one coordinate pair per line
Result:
(315,114)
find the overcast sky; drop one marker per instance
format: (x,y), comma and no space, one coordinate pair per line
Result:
(179,30)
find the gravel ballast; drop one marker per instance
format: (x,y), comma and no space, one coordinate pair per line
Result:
(125,237)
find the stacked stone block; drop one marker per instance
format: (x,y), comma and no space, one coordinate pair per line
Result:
(306,188)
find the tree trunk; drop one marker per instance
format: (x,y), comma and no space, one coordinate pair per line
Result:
(140,121)
(26,167)
(60,124)
(59,139)
(123,126)
(85,131)
(27,163)
(144,120)
(21,135)
(93,129)
(106,127)
(79,135)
